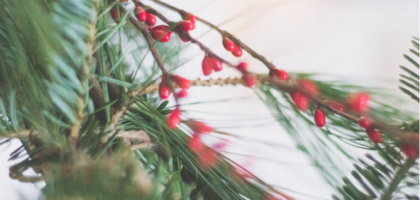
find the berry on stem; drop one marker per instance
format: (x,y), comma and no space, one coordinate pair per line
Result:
(195,143)
(243,66)
(186,26)
(182,37)
(208,159)
(114,14)
(151,19)
(319,117)
(207,66)
(237,52)
(217,65)
(364,123)
(409,151)
(228,44)
(337,106)
(279,73)
(183,93)
(140,14)
(182,82)
(309,86)
(374,135)
(249,80)
(174,119)
(199,127)
(164,90)
(359,102)
(189,16)
(300,100)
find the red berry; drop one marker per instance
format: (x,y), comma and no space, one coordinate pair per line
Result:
(114,14)
(309,86)
(199,127)
(243,66)
(237,52)
(373,135)
(319,117)
(359,102)
(151,19)
(195,143)
(161,28)
(182,37)
(228,44)
(164,91)
(337,106)
(183,93)
(140,13)
(186,26)
(207,66)
(193,18)
(279,73)
(300,100)
(173,119)
(189,16)
(249,80)
(409,151)
(216,64)
(208,159)
(364,123)
(165,38)
(158,34)
(182,82)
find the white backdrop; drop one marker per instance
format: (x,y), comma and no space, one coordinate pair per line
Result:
(362,39)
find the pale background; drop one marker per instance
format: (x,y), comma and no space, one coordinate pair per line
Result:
(360,39)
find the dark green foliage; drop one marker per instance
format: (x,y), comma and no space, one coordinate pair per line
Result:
(411,89)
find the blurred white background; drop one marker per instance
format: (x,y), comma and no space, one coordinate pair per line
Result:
(360,39)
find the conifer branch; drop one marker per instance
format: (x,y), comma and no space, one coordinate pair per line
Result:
(84,72)
(398,177)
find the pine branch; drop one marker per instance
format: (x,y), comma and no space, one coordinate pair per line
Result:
(290,84)
(84,73)
(224,33)
(398,177)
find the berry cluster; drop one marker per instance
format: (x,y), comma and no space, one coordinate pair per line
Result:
(208,157)
(232,47)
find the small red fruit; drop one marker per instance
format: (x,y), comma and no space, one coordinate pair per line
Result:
(337,106)
(359,102)
(182,37)
(208,159)
(173,119)
(182,82)
(279,73)
(243,66)
(183,93)
(319,117)
(409,151)
(364,123)
(114,14)
(189,16)
(195,143)
(164,91)
(217,65)
(165,38)
(151,19)
(374,135)
(199,127)
(207,66)
(228,44)
(237,52)
(249,80)
(161,28)
(300,100)
(140,14)
(309,86)
(186,26)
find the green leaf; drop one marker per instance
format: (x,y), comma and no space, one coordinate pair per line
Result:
(411,60)
(416,76)
(413,96)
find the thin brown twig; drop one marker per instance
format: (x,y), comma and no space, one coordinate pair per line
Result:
(290,84)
